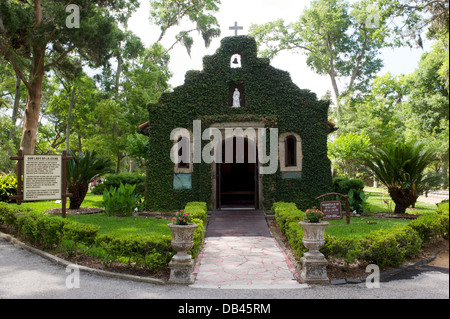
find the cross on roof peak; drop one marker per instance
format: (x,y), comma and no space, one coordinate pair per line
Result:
(236,28)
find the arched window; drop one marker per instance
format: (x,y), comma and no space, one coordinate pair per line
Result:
(184,152)
(235,61)
(290,148)
(290,154)
(181,153)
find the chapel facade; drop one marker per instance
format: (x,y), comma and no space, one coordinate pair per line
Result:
(238,134)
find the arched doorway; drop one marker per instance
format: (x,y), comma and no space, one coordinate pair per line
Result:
(237,176)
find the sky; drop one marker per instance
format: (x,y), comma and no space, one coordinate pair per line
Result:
(247,12)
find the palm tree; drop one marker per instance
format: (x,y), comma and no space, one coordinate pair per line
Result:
(81,171)
(401,168)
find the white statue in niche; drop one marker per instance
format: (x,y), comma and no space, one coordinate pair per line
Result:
(236,98)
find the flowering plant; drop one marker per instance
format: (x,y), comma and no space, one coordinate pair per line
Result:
(181,218)
(314,215)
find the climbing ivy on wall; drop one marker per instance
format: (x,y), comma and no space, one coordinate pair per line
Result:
(270,97)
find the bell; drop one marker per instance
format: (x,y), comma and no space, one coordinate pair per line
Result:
(235,61)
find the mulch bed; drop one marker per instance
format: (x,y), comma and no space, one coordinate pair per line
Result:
(79,211)
(390,215)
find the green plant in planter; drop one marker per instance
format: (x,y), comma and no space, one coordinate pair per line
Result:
(181,218)
(120,201)
(314,215)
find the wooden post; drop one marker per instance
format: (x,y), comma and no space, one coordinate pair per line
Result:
(19,158)
(347,209)
(64,195)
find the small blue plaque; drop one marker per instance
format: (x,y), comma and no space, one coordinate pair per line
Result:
(182,181)
(291,175)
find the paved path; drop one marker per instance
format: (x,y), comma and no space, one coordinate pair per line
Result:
(240,253)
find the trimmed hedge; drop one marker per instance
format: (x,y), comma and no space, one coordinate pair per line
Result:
(199,215)
(384,248)
(288,216)
(44,230)
(151,252)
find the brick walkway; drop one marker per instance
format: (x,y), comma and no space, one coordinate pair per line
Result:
(240,253)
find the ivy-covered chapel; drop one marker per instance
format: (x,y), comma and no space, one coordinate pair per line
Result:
(237,90)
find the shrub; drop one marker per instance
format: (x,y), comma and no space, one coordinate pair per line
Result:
(150,252)
(120,201)
(198,236)
(286,213)
(431,225)
(8,214)
(384,247)
(114,180)
(80,233)
(442,207)
(197,209)
(288,216)
(390,247)
(354,189)
(8,187)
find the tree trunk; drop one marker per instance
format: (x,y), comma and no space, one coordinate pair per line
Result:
(78,192)
(33,107)
(403,198)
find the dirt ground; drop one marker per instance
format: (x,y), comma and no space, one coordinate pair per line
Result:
(81,210)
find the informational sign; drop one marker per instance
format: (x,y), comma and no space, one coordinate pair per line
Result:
(331,209)
(42,177)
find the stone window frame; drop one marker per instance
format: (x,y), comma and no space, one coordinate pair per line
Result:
(282,153)
(190,169)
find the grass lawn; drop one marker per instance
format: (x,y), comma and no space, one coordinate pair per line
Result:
(382,203)
(90,200)
(108,224)
(360,226)
(378,202)
(124,225)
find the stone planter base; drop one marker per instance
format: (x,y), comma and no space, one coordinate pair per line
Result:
(181,272)
(314,269)
(314,263)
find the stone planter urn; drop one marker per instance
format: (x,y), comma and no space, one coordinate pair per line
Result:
(314,263)
(182,266)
